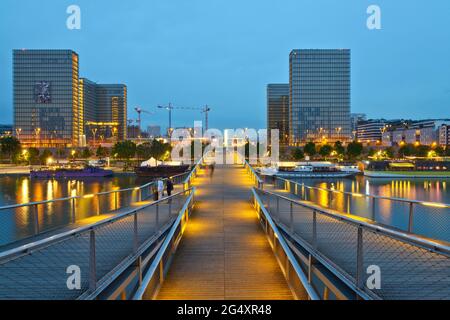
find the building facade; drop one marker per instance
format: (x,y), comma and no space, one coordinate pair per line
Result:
(370,131)
(422,132)
(104,110)
(356,118)
(319,95)
(444,135)
(278,110)
(45,98)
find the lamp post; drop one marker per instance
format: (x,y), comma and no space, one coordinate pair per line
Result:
(37,132)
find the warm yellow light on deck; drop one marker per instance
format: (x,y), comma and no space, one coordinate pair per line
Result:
(88,196)
(49,160)
(433,204)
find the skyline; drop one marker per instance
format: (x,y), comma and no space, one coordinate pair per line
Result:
(218,66)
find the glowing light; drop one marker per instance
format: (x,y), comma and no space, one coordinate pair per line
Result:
(88,196)
(433,204)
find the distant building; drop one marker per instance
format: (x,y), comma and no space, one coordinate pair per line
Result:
(444,135)
(278,110)
(354,119)
(45,98)
(6,130)
(423,132)
(104,110)
(154,131)
(370,131)
(133,132)
(319,95)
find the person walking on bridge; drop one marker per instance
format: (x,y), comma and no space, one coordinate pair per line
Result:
(169,187)
(160,188)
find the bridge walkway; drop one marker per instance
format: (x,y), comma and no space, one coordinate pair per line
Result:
(224,254)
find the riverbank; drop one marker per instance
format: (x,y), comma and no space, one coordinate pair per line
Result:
(14,170)
(408,174)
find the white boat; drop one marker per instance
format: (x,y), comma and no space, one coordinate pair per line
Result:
(309,170)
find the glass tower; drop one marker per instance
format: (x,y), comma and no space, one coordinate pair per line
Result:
(278,109)
(45,98)
(104,110)
(319,95)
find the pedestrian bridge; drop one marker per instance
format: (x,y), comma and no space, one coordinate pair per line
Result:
(231,235)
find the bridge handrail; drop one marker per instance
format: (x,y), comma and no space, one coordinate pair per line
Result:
(425,203)
(430,244)
(169,243)
(29,247)
(13,206)
(290,256)
(257,179)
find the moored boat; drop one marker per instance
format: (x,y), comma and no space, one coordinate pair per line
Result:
(86,172)
(309,170)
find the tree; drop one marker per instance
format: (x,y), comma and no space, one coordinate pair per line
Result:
(160,150)
(33,155)
(124,149)
(297,154)
(371,152)
(45,155)
(339,148)
(10,147)
(61,152)
(390,152)
(86,153)
(144,151)
(354,149)
(422,151)
(325,150)
(406,150)
(310,149)
(439,151)
(101,152)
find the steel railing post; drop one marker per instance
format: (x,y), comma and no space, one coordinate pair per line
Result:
(411,217)
(135,232)
(314,229)
(157,217)
(74,210)
(359,259)
(36,219)
(374,208)
(349,203)
(92,262)
(291,213)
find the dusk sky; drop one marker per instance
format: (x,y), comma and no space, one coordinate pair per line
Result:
(224,52)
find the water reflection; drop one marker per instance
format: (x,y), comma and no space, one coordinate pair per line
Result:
(429,221)
(22,222)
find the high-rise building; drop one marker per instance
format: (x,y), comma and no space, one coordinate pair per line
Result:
(319,95)
(278,110)
(45,98)
(104,109)
(112,107)
(154,131)
(444,135)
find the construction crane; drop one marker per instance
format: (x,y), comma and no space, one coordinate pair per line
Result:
(206,109)
(139,112)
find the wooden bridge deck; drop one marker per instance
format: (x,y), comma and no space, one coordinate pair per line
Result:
(224,253)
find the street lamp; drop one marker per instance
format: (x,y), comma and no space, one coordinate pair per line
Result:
(18,131)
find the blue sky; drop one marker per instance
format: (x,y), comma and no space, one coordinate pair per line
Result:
(224,52)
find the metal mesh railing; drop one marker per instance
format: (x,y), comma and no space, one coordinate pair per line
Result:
(22,221)
(427,219)
(43,269)
(410,267)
